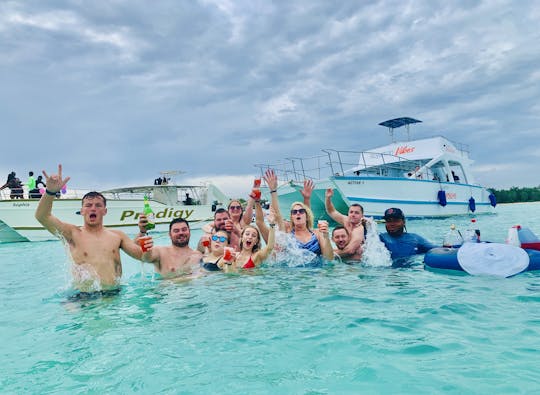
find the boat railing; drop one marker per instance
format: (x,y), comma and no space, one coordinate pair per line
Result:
(298,169)
(366,163)
(344,163)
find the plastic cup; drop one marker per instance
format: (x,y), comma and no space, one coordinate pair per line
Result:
(143,240)
(257,183)
(228,254)
(256,193)
(322,222)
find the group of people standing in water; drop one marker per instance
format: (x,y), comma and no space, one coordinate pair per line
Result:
(230,243)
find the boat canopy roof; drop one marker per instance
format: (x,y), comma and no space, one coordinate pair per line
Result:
(398,122)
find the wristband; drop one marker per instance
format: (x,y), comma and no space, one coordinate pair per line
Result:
(273,190)
(50,193)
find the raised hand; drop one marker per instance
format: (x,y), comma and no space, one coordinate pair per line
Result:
(309,185)
(329,193)
(271,179)
(55,182)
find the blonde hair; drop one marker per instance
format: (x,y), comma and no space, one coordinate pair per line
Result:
(309,214)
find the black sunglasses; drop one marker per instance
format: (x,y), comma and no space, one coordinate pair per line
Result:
(298,211)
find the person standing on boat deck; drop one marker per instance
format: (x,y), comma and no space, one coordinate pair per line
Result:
(95,250)
(10,181)
(317,240)
(222,221)
(352,222)
(14,185)
(30,183)
(175,260)
(396,239)
(341,238)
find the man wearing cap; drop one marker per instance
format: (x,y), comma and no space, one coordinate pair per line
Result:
(399,242)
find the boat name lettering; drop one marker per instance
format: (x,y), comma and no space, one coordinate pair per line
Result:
(21,204)
(355,182)
(451,195)
(404,150)
(167,213)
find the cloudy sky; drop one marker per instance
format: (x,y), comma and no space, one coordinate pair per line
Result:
(119,90)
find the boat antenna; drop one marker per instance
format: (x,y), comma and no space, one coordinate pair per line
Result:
(392,124)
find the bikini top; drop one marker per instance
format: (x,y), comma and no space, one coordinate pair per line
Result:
(211,266)
(311,245)
(249,264)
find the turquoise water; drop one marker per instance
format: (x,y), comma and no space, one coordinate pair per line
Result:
(336,330)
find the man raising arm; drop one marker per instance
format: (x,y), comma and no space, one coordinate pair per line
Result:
(95,250)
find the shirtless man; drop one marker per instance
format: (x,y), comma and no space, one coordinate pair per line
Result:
(95,250)
(177,259)
(352,222)
(340,237)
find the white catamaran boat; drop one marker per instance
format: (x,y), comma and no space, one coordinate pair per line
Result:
(428,177)
(195,203)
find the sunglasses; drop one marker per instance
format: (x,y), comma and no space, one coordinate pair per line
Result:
(222,239)
(298,211)
(235,207)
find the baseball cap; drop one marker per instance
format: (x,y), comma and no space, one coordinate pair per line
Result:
(394,212)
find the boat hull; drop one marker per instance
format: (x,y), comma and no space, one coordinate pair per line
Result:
(17,221)
(417,198)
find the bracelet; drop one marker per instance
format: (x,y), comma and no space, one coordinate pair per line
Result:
(273,190)
(50,193)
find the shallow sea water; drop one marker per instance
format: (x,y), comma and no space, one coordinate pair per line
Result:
(339,329)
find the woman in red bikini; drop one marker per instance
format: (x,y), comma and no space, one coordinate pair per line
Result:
(251,254)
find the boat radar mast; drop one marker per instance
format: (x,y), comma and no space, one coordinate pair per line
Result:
(392,124)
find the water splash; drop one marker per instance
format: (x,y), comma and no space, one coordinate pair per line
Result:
(83,277)
(288,253)
(375,252)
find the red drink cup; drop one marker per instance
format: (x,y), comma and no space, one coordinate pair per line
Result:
(227,254)
(257,183)
(256,193)
(142,241)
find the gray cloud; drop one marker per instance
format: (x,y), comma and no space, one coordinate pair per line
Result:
(118,91)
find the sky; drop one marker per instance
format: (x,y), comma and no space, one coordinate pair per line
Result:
(118,91)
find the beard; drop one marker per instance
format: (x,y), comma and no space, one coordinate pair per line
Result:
(181,242)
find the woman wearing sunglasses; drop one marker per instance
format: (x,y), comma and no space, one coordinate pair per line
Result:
(212,261)
(316,241)
(251,254)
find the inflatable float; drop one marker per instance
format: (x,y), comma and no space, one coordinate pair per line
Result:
(520,253)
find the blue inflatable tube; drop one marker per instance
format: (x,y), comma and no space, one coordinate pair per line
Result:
(446,258)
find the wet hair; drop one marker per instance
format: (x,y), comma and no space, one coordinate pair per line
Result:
(358,205)
(256,246)
(339,227)
(92,195)
(309,214)
(221,210)
(178,221)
